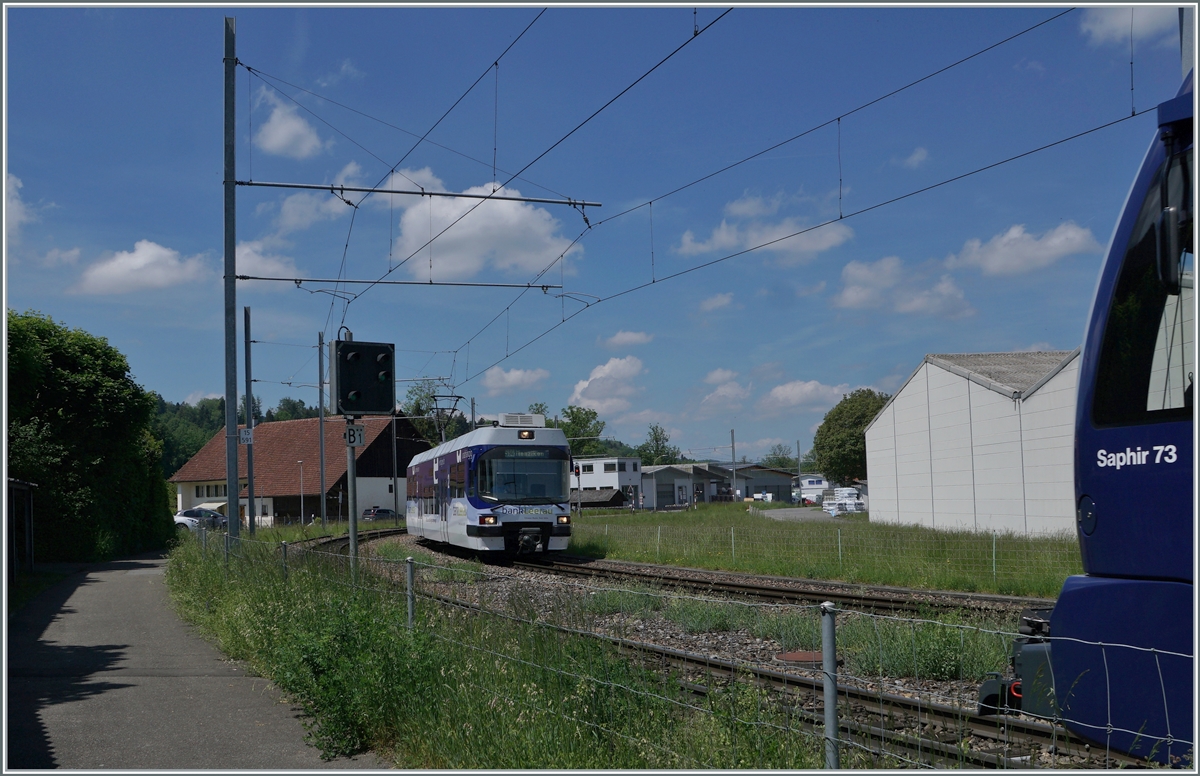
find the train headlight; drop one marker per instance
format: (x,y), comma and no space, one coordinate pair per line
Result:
(564,519)
(487,519)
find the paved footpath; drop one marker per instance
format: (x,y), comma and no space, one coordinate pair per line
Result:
(103,674)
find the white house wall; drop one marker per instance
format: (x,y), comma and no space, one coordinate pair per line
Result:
(1048,418)
(910,421)
(881,467)
(949,453)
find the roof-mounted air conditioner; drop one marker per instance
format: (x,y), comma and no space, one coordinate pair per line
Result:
(520,420)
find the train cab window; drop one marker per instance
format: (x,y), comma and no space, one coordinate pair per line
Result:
(1148,355)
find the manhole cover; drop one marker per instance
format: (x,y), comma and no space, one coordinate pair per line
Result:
(803,659)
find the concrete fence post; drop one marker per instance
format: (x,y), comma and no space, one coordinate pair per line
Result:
(839,547)
(283,558)
(409,592)
(829,671)
(732,545)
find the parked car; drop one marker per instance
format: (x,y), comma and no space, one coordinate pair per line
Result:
(199,516)
(378,513)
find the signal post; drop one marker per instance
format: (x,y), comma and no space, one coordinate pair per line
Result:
(363,383)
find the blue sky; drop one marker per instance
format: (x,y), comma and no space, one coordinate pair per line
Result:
(113,207)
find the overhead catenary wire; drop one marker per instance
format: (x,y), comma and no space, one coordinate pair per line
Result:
(557,143)
(649,204)
(797,233)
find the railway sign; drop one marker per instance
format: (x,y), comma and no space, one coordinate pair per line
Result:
(355,436)
(245,436)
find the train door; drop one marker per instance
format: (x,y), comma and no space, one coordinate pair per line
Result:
(443,490)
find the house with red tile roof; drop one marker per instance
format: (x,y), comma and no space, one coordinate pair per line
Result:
(287,469)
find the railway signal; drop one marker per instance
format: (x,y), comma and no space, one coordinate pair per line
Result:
(363,378)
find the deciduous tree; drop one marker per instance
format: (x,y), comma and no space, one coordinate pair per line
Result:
(840,444)
(657,450)
(80,427)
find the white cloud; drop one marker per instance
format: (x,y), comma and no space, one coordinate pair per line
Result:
(252,259)
(505,235)
(753,207)
(865,284)
(54,257)
(148,266)
(802,396)
(194,397)
(609,386)
(300,211)
(718,376)
(16,212)
(1017,251)
(285,132)
(624,339)
(499,381)
(727,397)
(772,237)
(915,159)
(716,302)
(945,299)
(1157,24)
(347,70)
(886,284)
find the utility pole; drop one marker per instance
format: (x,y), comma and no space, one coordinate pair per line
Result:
(472,413)
(395,483)
(733,450)
(250,426)
(351,487)
(230,183)
(321,416)
(799,484)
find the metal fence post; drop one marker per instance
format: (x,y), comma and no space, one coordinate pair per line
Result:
(839,547)
(411,595)
(226,555)
(829,670)
(993,557)
(658,546)
(283,557)
(732,545)
(203,539)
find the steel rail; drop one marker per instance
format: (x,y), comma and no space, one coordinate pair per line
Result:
(893,599)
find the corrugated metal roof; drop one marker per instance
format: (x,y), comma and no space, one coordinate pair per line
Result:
(1018,371)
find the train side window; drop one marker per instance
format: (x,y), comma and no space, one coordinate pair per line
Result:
(1148,355)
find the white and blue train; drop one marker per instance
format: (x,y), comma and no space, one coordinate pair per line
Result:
(503,488)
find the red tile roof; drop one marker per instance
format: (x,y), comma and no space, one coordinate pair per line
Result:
(278,446)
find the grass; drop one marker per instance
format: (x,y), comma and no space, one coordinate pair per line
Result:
(726,536)
(462,690)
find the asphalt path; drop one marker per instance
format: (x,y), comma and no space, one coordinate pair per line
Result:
(102,673)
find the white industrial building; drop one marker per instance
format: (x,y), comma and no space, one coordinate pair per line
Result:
(610,473)
(979,441)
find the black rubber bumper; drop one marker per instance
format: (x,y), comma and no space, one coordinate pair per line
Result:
(514,528)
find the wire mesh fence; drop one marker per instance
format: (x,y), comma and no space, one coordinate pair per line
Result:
(1018,564)
(503,670)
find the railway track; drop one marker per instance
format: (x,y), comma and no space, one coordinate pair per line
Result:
(886,723)
(782,590)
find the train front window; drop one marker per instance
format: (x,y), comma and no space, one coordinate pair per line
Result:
(1148,356)
(523,475)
